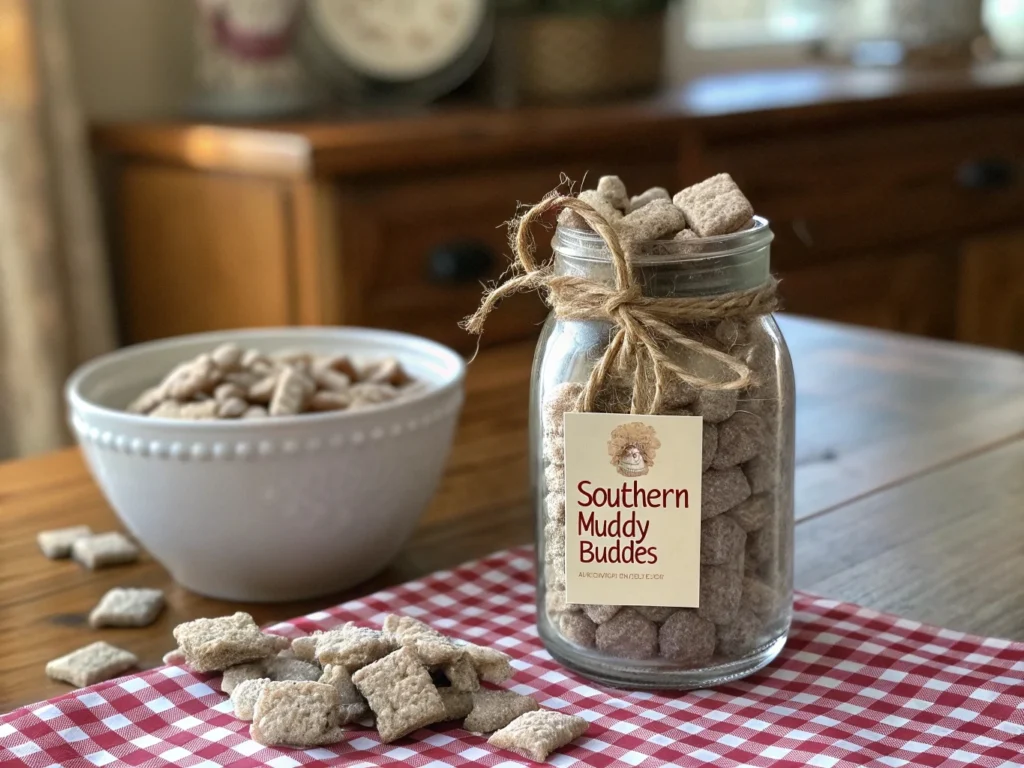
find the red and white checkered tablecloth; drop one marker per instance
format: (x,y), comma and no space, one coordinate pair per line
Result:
(852,687)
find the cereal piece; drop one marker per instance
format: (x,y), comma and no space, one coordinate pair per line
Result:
(628,635)
(56,544)
(211,645)
(104,549)
(457,704)
(730,332)
(655,221)
(721,490)
(430,645)
(687,638)
(401,694)
(599,614)
(709,445)
(578,628)
(721,589)
(232,409)
(762,544)
(263,390)
(253,358)
(496,709)
(762,472)
(327,400)
(655,613)
(685,234)
(353,705)
(280,668)
(677,395)
(599,203)
(92,664)
(190,379)
(461,674)
(255,412)
(652,194)
(535,735)
(206,409)
(554,448)
(740,438)
(740,636)
(148,400)
(715,206)
(760,598)
(169,409)
(352,646)
(328,378)
(338,364)
(715,405)
(229,391)
(365,395)
(554,600)
(613,190)
(561,400)
(127,607)
(242,379)
(238,674)
(387,371)
(491,666)
(290,394)
(554,537)
(296,714)
(569,219)
(305,647)
(720,538)
(245,695)
(294,358)
(555,505)
(174,658)
(554,477)
(227,357)
(752,513)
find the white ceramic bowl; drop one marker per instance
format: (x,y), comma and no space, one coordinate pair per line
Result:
(271,509)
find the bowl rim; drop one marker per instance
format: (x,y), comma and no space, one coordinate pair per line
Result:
(84,408)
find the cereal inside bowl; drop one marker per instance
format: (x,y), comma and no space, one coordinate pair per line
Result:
(291,504)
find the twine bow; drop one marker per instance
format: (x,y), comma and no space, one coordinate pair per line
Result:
(644,326)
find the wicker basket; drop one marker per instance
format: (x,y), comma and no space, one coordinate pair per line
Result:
(579,57)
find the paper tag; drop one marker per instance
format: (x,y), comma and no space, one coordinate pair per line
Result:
(632,509)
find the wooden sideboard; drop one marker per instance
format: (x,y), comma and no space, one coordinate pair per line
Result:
(897,200)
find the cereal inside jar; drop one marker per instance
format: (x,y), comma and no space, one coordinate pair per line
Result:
(662,426)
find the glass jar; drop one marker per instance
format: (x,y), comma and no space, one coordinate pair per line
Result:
(747,492)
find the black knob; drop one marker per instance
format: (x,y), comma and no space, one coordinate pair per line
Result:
(987,173)
(461,262)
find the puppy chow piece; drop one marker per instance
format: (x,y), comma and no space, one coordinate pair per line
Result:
(760,598)
(752,513)
(715,405)
(687,638)
(366,395)
(253,358)
(554,476)
(457,704)
(353,705)
(492,666)
(174,658)
(296,714)
(461,674)
(578,628)
(104,549)
(148,401)
(431,646)
(715,206)
(652,194)
(198,411)
(229,391)
(762,472)
(127,607)
(56,544)
(569,219)
(233,408)
(730,332)
(238,674)
(686,234)
(628,635)
(555,537)
(709,445)
(741,437)
(496,709)
(353,646)
(762,544)
(554,448)
(613,190)
(722,489)
(304,648)
(657,220)
(263,390)
(562,399)
(554,600)
(601,204)
(212,645)
(740,636)
(227,357)
(555,505)
(655,613)
(387,371)
(677,396)
(245,694)
(401,694)
(720,538)
(281,668)
(291,393)
(92,664)
(721,590)
(535,735)
(197,376)
(599,614)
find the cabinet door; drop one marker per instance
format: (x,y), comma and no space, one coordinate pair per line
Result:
(912,293)
(990,306)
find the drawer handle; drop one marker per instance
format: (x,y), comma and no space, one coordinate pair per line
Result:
(988,173)
(462,262)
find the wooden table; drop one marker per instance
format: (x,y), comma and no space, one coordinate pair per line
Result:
(910,498)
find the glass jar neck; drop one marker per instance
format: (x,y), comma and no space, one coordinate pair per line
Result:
(673,268)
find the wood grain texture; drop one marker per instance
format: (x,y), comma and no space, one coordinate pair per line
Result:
(913,448)
(991,299)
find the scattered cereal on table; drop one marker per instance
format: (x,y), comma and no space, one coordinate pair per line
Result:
(92,664)
(127,607)
(56,544)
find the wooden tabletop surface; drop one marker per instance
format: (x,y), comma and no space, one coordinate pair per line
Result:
(909,494)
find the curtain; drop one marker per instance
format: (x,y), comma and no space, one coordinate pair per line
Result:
(56,308)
